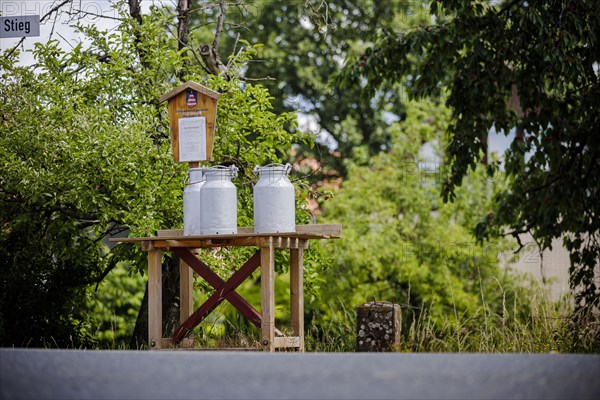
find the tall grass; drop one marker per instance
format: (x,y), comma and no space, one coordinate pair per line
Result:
(528,323)
(547,327)
(337,333)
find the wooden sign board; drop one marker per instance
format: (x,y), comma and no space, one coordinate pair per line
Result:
(192,112)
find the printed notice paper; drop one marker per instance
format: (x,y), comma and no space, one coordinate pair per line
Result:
(192,139)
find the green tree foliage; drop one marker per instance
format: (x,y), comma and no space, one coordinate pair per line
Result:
(113,306)
(79,162)
(401,242)
(525,64)
(85,154)
(305,44)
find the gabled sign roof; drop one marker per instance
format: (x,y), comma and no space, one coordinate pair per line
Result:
(191,85)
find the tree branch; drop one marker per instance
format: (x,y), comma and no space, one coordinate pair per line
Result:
(200,62)
(112,230)
(212,61)
(47,15)
(220,22)
(135,10)
(183,30)
(516,234)
(237,39)
(266,78)
(111,265)
(136,13)
(86,13)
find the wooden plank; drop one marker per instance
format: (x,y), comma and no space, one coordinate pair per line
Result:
(187,343)
(169,232)
(178,243)
(291,243)
(223,240)
(241,241)
(163,243)
(154,299)
(287,342)
(327,229)
(174,127)
(223,290)
(283,243)
(332,230)
(147,245)
(267,289)
(246,230)
(316,231)
(186,291)
(297,295)
(215,281)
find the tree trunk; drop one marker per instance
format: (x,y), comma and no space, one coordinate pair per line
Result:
(139,336)
(183,30)
(170,305)
(170,267)
(170,295)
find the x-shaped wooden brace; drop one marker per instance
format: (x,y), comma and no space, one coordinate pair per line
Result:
(223,290)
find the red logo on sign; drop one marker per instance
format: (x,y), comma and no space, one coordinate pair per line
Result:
(191,96)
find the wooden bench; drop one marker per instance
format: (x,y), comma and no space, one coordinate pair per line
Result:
(185,246)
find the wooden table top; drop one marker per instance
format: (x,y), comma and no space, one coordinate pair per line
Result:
(244,237)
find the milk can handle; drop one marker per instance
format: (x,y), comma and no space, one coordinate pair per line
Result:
(231,170)
(287,168)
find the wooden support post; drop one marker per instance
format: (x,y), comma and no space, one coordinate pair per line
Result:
(154,299)
(297,294)
(267,289)
(223,290)
(186,291)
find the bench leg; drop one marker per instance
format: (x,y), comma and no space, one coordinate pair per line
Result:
(154,299)
(297,294)
(186,291)
(267,289)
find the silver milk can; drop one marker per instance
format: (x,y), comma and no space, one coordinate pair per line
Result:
(191,202)
(218,199)
(274,200)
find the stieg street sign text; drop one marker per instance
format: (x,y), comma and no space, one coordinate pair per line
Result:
(21,26)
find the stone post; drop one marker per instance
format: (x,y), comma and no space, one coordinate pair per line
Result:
(378,326)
